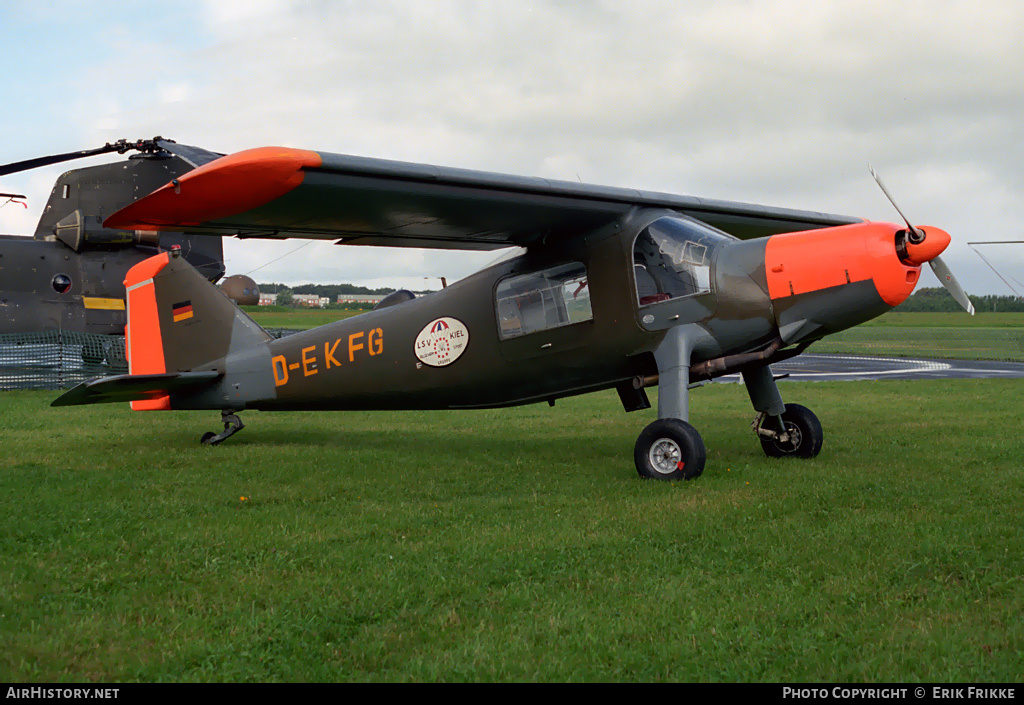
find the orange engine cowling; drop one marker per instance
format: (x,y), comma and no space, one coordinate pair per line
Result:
(815,260)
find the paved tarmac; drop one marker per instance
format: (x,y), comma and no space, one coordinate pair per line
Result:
(809,367)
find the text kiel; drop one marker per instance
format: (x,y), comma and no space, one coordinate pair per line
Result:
(451,335)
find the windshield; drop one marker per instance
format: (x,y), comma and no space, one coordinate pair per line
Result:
(672,259)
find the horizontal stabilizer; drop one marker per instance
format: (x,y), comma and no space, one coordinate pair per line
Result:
(134,387)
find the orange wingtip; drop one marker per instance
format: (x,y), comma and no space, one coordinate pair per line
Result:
(225,187)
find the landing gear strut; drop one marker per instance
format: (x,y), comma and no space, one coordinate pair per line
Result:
(232,425)
(670,448)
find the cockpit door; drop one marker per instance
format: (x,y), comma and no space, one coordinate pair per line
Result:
(673,271)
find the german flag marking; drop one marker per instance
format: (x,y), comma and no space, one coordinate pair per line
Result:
(182,311)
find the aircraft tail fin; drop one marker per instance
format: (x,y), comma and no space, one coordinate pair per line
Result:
(178,322)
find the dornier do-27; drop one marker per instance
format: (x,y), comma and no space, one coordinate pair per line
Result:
(613,288)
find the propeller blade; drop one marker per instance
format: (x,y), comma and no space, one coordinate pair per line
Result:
(952,285)
(938,266)
(878,180)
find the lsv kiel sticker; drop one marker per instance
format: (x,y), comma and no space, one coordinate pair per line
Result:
(441,342)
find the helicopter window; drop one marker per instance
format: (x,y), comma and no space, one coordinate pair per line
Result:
(672,259)
(554,297)
(61,283)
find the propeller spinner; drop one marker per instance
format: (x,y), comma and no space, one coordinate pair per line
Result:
(919,245)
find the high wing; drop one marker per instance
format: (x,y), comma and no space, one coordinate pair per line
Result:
(277,192)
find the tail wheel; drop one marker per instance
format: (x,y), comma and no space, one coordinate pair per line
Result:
(669,449)
(803,431)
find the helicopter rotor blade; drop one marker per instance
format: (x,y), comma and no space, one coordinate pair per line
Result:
(157,144)
(27,164)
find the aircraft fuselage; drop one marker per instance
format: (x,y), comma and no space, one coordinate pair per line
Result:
(587,315)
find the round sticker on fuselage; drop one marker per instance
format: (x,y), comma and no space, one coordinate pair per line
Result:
(441,342)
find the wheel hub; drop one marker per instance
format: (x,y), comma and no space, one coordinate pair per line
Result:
(795,438)
(665,456)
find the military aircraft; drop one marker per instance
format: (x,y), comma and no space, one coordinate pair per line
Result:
(610,289)
(70,274)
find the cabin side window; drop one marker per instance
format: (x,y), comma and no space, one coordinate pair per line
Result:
(672,259)
(559,296)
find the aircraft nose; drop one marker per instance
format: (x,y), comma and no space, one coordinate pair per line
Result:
(935,241)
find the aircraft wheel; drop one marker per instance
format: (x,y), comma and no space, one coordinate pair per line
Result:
(805,435)
(207,437)
(669,449)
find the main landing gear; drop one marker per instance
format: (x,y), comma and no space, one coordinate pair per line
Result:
(669,449)
(672,449)
(232,425)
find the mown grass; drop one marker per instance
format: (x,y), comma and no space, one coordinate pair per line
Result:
(272,317)
(959,336)
(516,544)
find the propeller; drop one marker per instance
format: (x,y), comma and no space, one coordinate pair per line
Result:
(916,236)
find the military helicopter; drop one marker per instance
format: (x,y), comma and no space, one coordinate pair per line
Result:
(610,289)
(70,275)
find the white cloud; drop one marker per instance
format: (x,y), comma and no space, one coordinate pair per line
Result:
(779,102)
(175,93)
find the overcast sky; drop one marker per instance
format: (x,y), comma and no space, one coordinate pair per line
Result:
(782,103)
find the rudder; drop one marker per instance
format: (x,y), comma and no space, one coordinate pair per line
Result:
(178,321)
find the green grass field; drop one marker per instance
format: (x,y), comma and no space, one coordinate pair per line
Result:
(516,544)
(984,336)
(272,317)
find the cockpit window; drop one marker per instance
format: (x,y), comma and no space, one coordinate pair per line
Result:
(554,297)
(672,259)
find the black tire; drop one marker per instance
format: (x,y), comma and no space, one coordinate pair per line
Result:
(805,435)
(205,440)
(669,449)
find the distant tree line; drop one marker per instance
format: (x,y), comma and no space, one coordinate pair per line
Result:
(938,299)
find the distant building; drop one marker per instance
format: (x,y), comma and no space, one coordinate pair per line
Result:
(360,298)
(310,300)
(268,299)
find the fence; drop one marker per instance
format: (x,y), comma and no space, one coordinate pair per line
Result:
(57,359)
